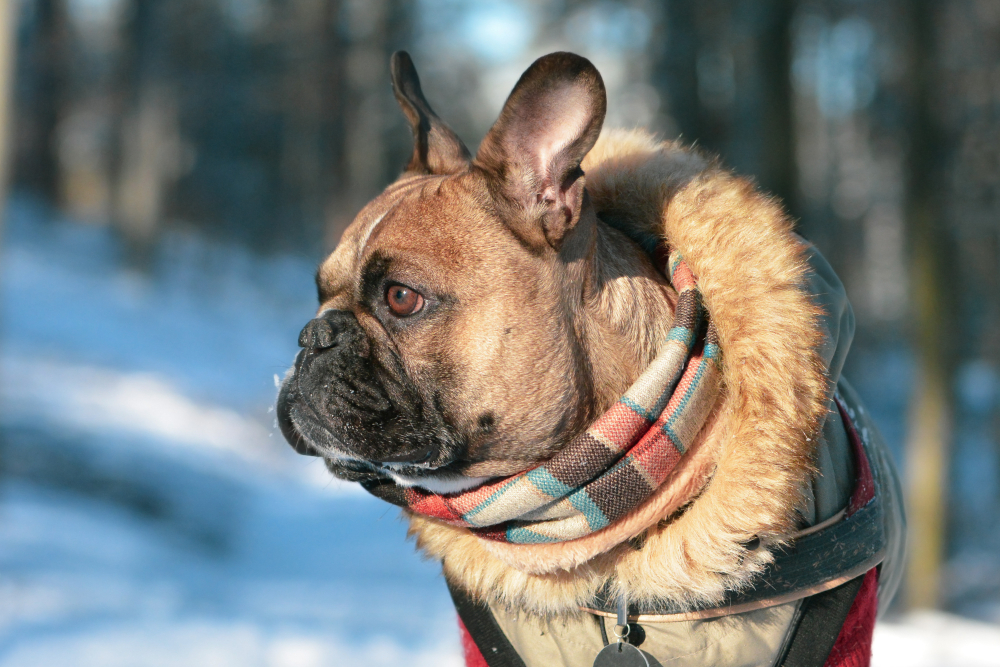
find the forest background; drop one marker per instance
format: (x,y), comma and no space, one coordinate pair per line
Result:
(176,169)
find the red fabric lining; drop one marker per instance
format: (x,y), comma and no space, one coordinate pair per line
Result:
(864,487)
(853,647)
(473,657)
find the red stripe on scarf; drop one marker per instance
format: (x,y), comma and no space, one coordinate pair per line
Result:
(656,456)
(682,277)
(432,505)
(621,426)
(683,385)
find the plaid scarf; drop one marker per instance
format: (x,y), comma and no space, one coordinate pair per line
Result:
(613,466)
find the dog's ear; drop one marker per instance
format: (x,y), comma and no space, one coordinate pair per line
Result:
(436,149)
(533,152)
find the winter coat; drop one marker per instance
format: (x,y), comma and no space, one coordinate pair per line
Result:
(719,566)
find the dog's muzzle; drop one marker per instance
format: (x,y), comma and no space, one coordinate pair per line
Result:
(336,404)
(286,398)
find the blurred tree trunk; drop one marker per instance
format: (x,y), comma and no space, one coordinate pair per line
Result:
(366,60)
(47,61)
(148,137)
(312,109)
(725,72)
(930,422)
(376,28)
(933,274)
(675,68)
(778,169)
(8,42)
(334,108)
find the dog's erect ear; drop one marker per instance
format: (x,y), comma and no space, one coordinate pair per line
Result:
(533,152)
(436,149)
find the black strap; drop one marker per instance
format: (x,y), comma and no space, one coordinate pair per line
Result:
(818,622)
(820,618)
(484,630)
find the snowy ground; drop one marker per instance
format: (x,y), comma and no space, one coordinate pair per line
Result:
(935,639)
(149,515)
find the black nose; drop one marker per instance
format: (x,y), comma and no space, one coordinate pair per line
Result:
(333,328)
(318,334)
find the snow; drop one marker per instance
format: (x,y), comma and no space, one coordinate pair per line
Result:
(151,515)
(149,512)
(935,639)
(86,583)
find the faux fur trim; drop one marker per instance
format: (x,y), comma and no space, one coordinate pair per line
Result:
(751,271)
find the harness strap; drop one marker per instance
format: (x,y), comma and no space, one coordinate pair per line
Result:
(494,648)
(817,627)
(819,622)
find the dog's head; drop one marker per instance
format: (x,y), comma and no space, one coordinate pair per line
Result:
(448,344)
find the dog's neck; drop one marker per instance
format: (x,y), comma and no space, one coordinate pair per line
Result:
(628,305)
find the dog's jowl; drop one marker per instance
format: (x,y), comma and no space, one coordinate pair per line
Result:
(602,376)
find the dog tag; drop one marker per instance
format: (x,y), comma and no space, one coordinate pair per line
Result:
(621,654)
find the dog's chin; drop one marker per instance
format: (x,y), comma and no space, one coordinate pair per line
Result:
(431,478)
(434,481)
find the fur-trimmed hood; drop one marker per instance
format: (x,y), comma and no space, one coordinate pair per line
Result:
(746,477)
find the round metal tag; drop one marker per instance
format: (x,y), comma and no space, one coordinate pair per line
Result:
(621,655)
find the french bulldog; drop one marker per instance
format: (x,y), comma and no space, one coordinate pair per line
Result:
(483,312)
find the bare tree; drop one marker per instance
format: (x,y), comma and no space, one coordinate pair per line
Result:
(42,90)
(8,32)
(724,69)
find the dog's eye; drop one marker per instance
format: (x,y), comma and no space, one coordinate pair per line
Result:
(403,301)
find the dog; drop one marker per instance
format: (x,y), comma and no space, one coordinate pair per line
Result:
(602,375)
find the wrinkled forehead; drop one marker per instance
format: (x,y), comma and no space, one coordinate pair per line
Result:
(415,220)
(374,214)
(423,215)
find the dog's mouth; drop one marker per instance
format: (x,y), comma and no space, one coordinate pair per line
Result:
(430,461)
(437,480)
(438,477)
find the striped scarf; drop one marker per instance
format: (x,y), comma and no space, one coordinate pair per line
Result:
(613,466)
